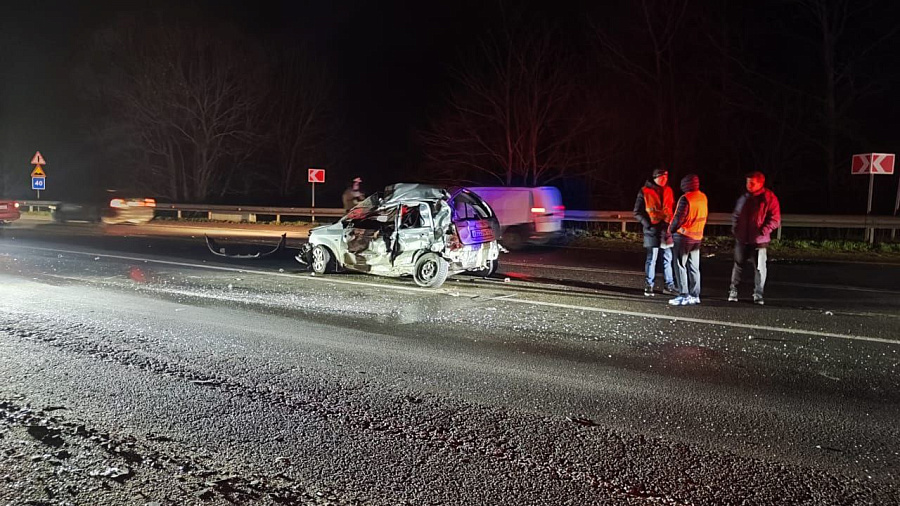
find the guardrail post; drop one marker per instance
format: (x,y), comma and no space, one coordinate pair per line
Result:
(778,234)
(179,214)
(278,219)
(623,226)
(209,215)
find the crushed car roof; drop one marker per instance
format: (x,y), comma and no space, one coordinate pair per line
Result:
(412,191)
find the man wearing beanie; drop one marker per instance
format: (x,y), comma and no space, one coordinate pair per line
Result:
(653,209)
(687,227)
(756,214)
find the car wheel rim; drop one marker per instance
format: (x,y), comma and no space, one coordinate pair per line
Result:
(428,271)
(318,260)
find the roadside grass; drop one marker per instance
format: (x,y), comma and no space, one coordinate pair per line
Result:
(828,249)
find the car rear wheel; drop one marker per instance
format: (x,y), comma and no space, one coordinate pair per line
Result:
(431,271)
(321,260)
(487,271)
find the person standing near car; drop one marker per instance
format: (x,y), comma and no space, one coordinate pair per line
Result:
(352,195)
(756,214)
(687,229)
(653,209)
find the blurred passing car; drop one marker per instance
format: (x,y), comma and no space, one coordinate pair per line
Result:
(135,211)
(415,230)
(9,211)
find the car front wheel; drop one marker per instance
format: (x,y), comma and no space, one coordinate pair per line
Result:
(321,260)
(431,271)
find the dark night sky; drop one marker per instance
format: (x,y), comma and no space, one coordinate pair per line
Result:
(390,59)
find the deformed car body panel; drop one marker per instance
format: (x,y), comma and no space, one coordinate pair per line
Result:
(389,232)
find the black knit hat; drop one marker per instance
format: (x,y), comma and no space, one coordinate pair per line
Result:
(659,172)
(690,183)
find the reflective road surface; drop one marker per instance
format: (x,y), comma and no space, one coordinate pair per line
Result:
(138,368)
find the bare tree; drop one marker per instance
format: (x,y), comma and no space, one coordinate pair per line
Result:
(186,97)
(842,58)
(300,120)
(646,58)
(513,115)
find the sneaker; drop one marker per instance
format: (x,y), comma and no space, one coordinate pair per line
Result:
(648,291)
(758,300)
(670,290)
(693,301)
(732,295)
(680,300)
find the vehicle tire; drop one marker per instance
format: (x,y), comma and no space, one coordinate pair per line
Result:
(431,271)
(512,239)
(488,271)
(321,260)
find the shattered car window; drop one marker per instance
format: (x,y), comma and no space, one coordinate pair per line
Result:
(465,207)
(364,208)
(375,219)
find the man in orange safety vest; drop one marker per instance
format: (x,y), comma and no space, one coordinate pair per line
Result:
(653,209)
(687,228)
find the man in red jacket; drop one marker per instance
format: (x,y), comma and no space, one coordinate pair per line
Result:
(756,214)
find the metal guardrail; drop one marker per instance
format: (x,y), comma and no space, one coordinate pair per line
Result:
(787,220)
(250,214)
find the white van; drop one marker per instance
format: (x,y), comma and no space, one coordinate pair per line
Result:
(527,215)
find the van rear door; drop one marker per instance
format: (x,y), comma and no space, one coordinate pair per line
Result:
(548,209)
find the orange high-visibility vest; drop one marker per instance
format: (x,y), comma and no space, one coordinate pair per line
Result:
(659,210)
(695,221)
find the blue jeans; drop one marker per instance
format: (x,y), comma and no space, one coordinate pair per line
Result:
(687,262)
(650,265)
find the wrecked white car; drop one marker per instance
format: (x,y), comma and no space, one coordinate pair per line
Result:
(414,230)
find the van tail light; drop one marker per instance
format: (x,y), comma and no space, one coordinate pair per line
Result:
(150,202)
(538,210)
(559,208)
(117,203)
(16,205)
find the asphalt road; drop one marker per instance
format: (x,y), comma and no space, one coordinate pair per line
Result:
(139,368)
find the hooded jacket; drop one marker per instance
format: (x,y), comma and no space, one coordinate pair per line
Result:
(656,220)
(755,216)
(691,213)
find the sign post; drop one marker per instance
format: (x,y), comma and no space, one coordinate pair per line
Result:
(38,177)
(871,164)
(315,176)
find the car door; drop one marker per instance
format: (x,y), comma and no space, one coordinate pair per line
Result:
(368,240)
(415,229)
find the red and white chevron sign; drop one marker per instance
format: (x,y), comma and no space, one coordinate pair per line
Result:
(873,163)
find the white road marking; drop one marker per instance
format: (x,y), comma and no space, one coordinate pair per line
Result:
(641,274)
(748,326)
(703,321)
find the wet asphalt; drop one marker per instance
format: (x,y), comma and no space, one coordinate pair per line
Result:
(139,368)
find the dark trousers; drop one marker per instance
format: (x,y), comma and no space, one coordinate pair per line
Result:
(687,266)
(757,256)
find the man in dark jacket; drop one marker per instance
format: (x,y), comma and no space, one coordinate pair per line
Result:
(756,214)
(653,209)
(687,226)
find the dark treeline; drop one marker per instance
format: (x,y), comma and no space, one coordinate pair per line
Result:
(720,88)
(202,112)
(192,107)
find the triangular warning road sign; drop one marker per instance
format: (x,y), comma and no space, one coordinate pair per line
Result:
(38,172)
(37,159)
